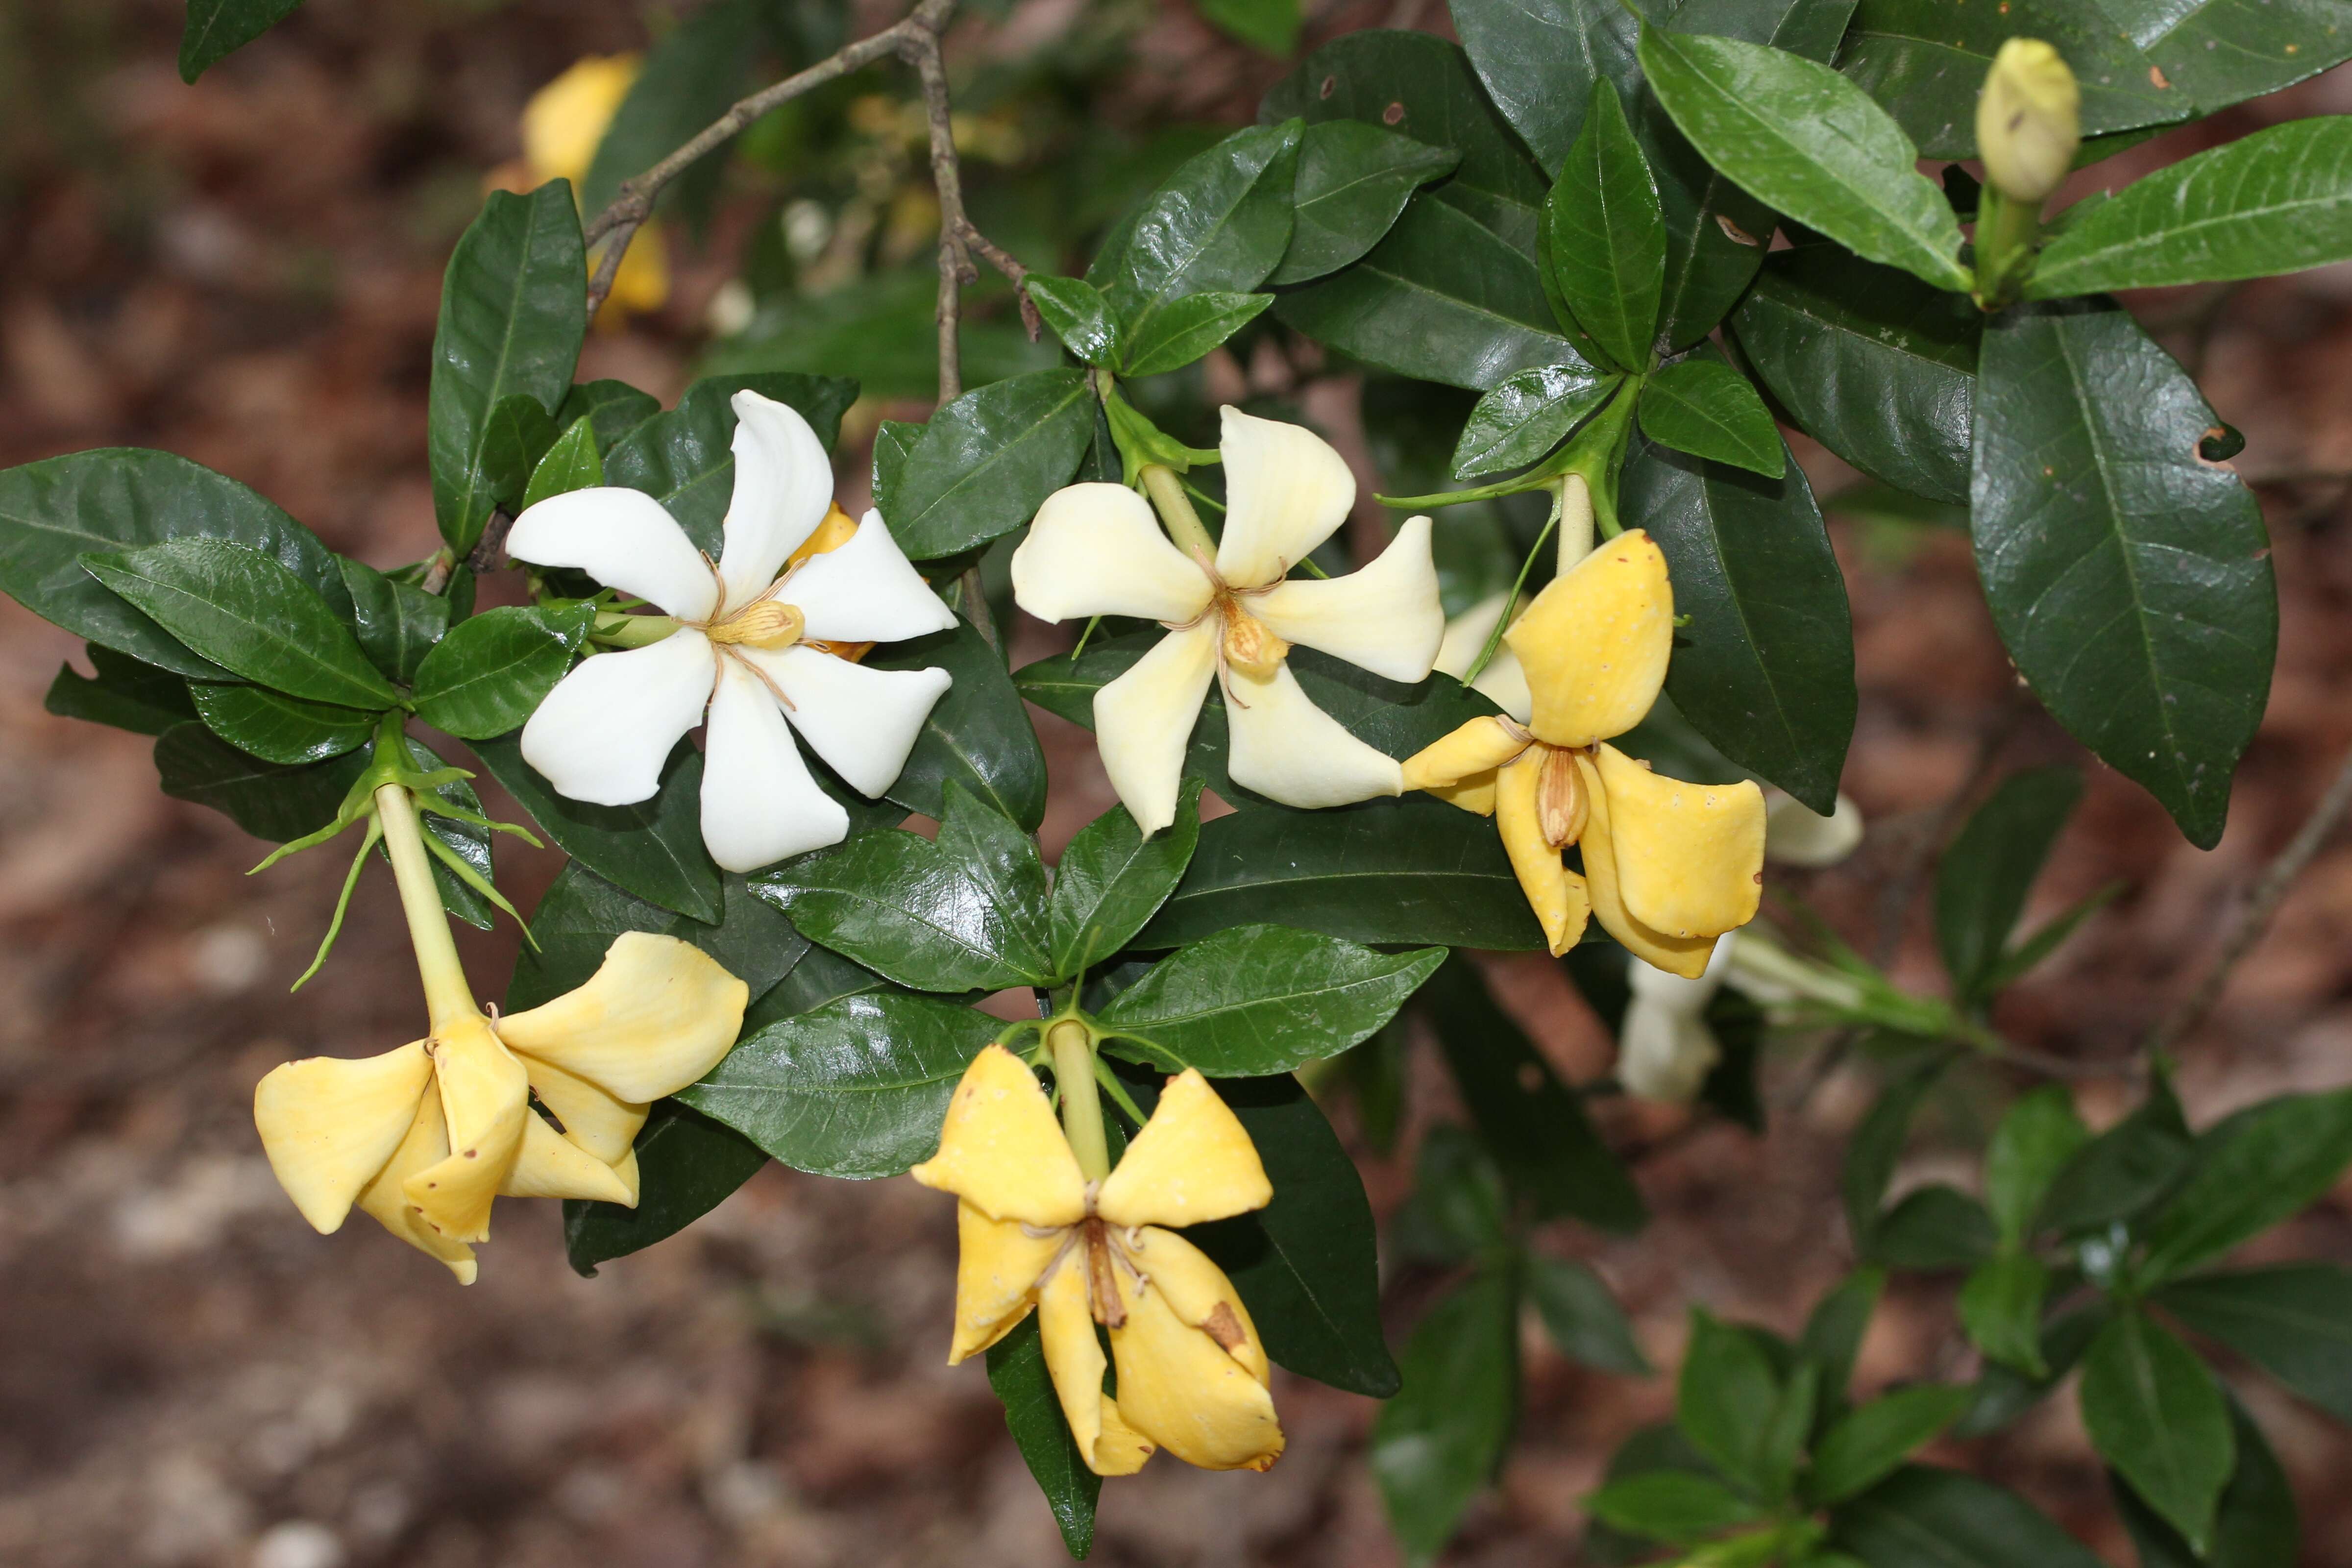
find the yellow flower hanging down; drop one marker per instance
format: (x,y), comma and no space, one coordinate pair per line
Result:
(423,1137)
(1192,1374)
(563,125)
(1668,865)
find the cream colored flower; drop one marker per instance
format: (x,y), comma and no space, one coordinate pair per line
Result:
(1096,549)
(1664,1047)
(2029,121)
(1503,682)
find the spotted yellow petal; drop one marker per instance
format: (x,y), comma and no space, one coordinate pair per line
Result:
(1595,643)
(1001,1150)
(998,1266)
(485,1098)
(1179,1388)
(1074,1358)
(386,1200)
(656,1014)
(1685,956)
(1557,896)
(601,1122)
(1690,857)
(551,1167)
(328,1124)
(1476,748)
(1196,1291)
(1193,1161)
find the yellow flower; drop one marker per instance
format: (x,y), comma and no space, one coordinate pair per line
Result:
(1192,1374)
(1668,865)
(2029,121)
(423,1137)
(563,125)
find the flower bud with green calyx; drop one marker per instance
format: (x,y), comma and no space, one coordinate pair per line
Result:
(2028,125)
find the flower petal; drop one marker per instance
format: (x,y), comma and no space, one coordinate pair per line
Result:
(862,722)
(1096,549)
(1797,834)
(1595,643)
(1664,1055)
(625,540)
(1685,956)
(657,1014)
(1690,857)
(1180,1389)
(1385,619)
(1286,491)
(783,483)
(386,1200)
(484,1097)
(1074,1358)
(1192,1163)
(998,1267)
(603,733)
(1557,896)
(1001,1150)
(551,1167)
(1478,746)
(1286,749)
(1196,1288)
(865,591)
(759,803)
(1503,681)
(1143,721)
(592,1116)
(328,1123)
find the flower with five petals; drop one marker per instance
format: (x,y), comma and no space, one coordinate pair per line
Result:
(760,654)
(1668,865)
(1095,550)
(1035,1233)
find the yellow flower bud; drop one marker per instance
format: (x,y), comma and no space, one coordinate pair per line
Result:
(2029,121)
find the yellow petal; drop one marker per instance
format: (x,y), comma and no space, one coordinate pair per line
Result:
(1144,720)
(1074,1358)
(837,529)
(656,1014)
(1192,1163)
(601,1122)
(1557,895)
(328,1124)
(1595,643)
(998,1266)
(642,284)
(1475,795)
(1685,956)
(1196,1288)
(1287,749)
(386,1201)
(1476,748)
(626,1169)
(1385,618)
(1179,1387)
(551,1167)
(1001,1150)
(566,119)
(485,1098)
(1690,857)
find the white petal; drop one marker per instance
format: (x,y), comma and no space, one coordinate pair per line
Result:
(1796,835)
(1385,619)
(1288,750)
(625,540)
(1503,681)
(1673,991)
(864,592)
(862,722)
(1143,720)
(783,482)
(1096,549)
(1664,1055)
(759,803)
(1285,492)
(605,731)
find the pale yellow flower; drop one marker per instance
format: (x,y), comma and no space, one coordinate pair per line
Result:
(2029,121)
(563,125)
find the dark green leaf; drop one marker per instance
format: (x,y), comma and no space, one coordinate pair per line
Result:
(1877,1143)
(881,325)
(2003,1393)
(987,461)
(821,976)
(1983,879)
(217,28)
(1188,328)
(268,800)
(1872,363)
(1033,1411)
(397,622)
(1523,416)
(654,848)
(2156,1414)
(2001,1307)
(580,915)
(486,676)
(1670,1505)
(1872,1442)
(514,309)
(1438,1443)
(1353,181)
(689,79)
(572,463)
(978,736)
(2222,52)
(2263,1165)
(685,459)
(1921,1517)
(1764,669)
(1833,1330)
(612,409)
(2130,580)
(1271,25)
(2293,1319)
(278,728)
(1934,1228)
(1459,1210)
(1218,225)
(1582,1316)
(1077,314)
(2036,1140)
(2049,936)
(1707,409)
(1541,60)
(2255,1527)
(123,693)
(515,437)
(686,1165)
(1607,237)
(468,841)
(1724,1400)
(1111,880)
(2122,1171)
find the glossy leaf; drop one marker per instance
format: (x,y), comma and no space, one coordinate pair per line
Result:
(1922,1517)
(1185,329)
(580,914)
(269,799)
(121,692)
(1582,1317)
(1707,409)
(278,728)
(1033,1412)
(397,622)
(2130,580)
(1437,1444)
(1111,880)
(1983,879)
(2255,1526)
(2037,1137)
(612,409)
(513,312)
(1872,1442)
(686,1165)
(986,462)
(977,736)
(1607,234)
(2292,1320)
(1540,61)
(488,674)
(2259,1167)
(1764,669)
(2001,1307)
(218,29)
(1076,312)
(1670,1505)
(1220,223)
(685,458)
(654,848)
(1523,416)
(571,463)
(2156,1414)
(2222,52)
(1353,181)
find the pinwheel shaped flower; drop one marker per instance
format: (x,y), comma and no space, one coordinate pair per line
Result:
(1034,1232)
(1668,865)
(1232,613)
(423,1137)
(759,653)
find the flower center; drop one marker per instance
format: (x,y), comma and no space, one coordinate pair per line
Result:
(1249,645)
(764,624)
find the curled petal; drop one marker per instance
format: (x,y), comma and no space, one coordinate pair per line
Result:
(865,590)
(328,1123)
(1797,834)
(1286,491)
(1690,857)
(625,540)
(1182,1390)
(759,803)
(1192,1163)
(1074,1358)
(1096,549)
(1143,720)
(1595,643)
(1288,750)
(1558,897)
(551,1167)
(862,722)
(603,733)
(1196,1288)
(1385,619)
(783,485)
(1001,1150)
(657,1014)
(1478,746)
(998,1267)
(594,1118)
(1684,956)
(484,1097)
(385,1199)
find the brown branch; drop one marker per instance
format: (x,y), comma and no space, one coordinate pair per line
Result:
(2261,907)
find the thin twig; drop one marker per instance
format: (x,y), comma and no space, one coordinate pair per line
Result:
(2262,905)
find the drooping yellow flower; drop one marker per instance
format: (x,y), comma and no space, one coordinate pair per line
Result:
(563,125)
(423,1137)
(1035,1233)
(1668,865)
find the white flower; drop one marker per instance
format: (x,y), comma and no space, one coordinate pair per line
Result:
(1797,834)
(1664,1047)
(749,649)
(1096,549)
(1503,681)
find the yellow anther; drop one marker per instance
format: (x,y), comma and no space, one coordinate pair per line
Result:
(1250,647)
(767,625)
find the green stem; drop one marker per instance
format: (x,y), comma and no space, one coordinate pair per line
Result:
(2006,230)
(1073,1047)
(1175,507)
(1502,621)
(447,998)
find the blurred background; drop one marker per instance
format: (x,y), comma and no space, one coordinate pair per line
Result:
(246,272)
